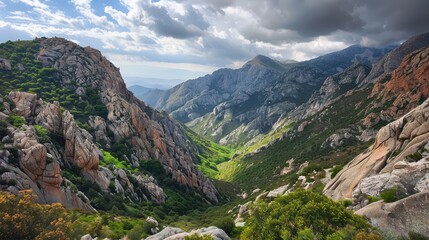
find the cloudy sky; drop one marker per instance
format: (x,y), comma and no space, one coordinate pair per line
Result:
(183,39)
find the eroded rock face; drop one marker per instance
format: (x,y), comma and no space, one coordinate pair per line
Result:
(25,103)
(400,217)
(406,87)
(41,172)
(79,148)
(148,133)
(50,117)
(393,143)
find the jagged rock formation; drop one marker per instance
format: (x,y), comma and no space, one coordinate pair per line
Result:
(393,143)
(37,163)
(149,134)
(406,87)
(334,86)
(386,165)
(170,233)
(231,106)
(393,59)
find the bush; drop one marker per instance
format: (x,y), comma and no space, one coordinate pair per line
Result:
(15,120)
(42,133)
(136,233)
(336,170)
(22,218)
(292,215)
(416,236)
(392,194)
(226,223)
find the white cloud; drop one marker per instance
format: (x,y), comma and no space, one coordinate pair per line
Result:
(84,7)
(218,33)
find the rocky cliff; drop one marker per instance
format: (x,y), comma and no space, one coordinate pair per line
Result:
(233,106)
(397,164)
(150,134)
(125,126)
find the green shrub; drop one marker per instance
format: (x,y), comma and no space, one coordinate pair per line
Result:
(416,236)
(292,215)
(147,226)
(42,133)
(226,223)
(336,170)
(15,120)
(414,157)
(373,199)
(136,233)
(392,194)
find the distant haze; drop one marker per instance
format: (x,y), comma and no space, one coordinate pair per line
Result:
(152,82)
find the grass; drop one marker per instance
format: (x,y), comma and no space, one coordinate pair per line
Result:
(211,154)
(109,159)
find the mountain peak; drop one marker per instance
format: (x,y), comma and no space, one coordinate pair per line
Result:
(264,61)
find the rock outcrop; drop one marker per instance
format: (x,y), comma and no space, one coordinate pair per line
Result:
(170,233)
(147,133)
(25,103)
(405,88)
(5,65)
(40,171)
(393,59)
(401,217)
(393,144)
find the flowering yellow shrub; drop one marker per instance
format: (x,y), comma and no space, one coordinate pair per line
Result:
(22,218)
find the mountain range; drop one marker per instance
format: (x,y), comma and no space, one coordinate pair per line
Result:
(352,125)
(232,106)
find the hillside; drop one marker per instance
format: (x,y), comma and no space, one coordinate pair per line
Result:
(73,133)
(351,125)
(234,106)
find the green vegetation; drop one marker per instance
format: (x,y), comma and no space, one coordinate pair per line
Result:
(392,194)
(109,159)
(42,133)
(262,169)
(29,75)
(302,215)
(210,154)
(15,120)
(335,170)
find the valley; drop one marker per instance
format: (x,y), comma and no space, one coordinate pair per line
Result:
(346,131)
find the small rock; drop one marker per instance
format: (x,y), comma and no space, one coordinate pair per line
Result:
(86,237)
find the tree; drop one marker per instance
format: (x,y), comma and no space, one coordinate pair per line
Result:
(22,218)
(301,215)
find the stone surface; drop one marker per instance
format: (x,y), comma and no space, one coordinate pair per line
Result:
(147,133)
(170,233)
(393,144)
(5,65)
(50,117)
(25,103)
(401,217)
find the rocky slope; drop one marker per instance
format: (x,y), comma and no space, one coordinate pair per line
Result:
(34,159)
(233,106)
(129,128)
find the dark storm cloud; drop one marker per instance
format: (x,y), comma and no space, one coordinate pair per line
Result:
(190,25)
(379,22)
